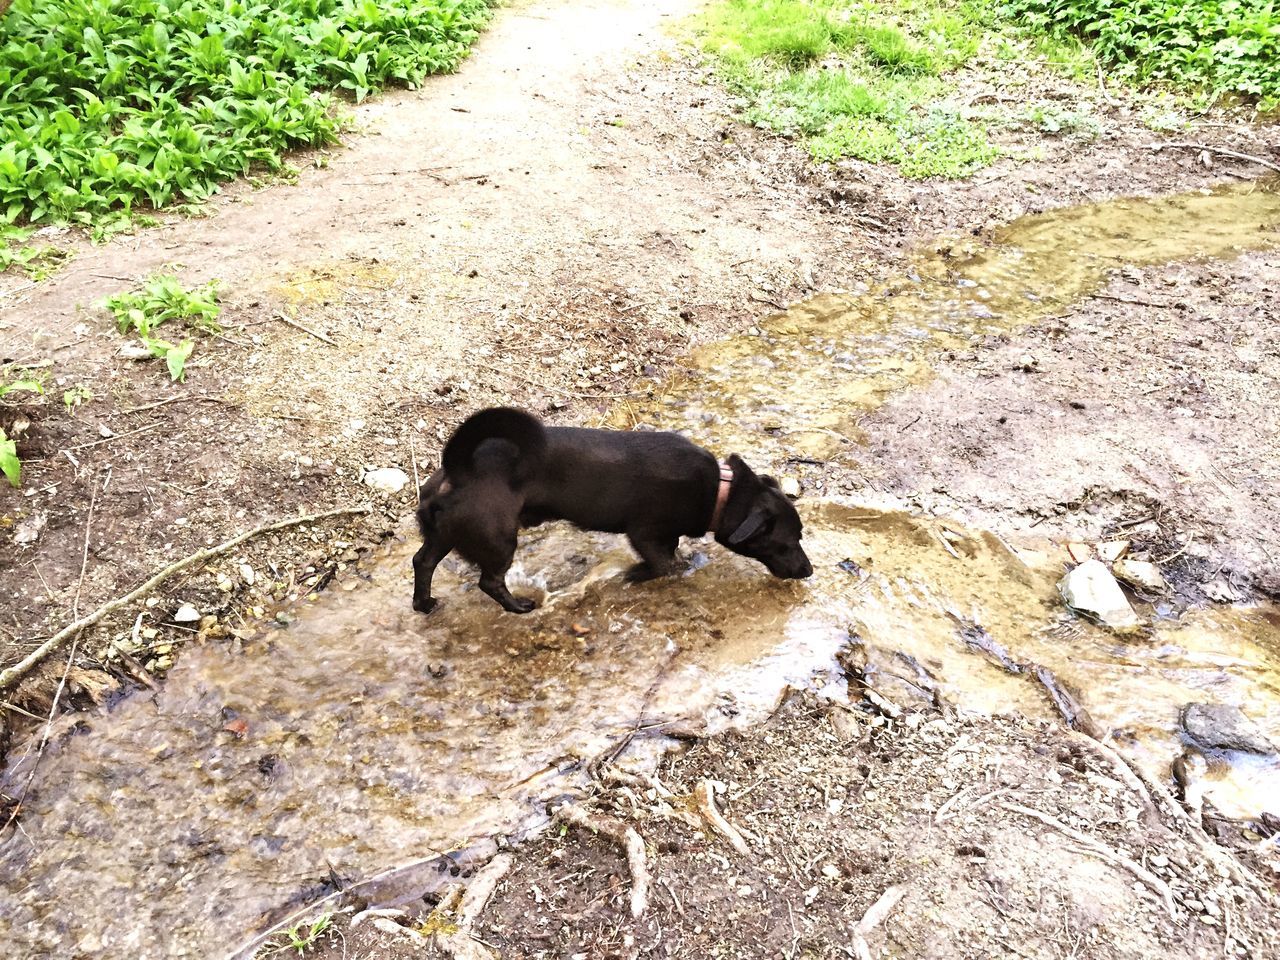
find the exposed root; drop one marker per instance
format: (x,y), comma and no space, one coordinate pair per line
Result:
(876,914)
(1122,769)
(625,837)
(1220,151)
(706,804)
(1102,851)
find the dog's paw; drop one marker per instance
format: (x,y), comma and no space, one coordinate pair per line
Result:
(425,606)
(639,573)
(521,605)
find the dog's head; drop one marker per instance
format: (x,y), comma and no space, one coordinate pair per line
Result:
(760,523)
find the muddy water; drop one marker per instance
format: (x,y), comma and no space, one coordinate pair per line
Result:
(362,736)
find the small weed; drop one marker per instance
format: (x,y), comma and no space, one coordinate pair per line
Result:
(301,937)
(75,398)
(37,261)
(161,299)
(1058,121)
(10,465)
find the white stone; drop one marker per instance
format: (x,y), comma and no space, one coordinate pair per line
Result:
(187,614)
(386,480)
(1091,590)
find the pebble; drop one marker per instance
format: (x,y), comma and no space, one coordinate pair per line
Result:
(790,487)
(186,614)
(386,480)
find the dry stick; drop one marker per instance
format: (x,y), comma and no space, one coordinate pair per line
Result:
(876,914)
(1248,158)
(1224,859)
(1102,851)
(161,403)
(297,326)
(623,836)
(15,673)
(706,804)
(84,558)
(115,436)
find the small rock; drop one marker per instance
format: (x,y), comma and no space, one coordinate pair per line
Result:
(187,614)
(247,574)
(790,488)
(1224,727)
(28,531)
(388,480)
(1091,590)
(1113,550)
(135,351)
(1141,574)
(831,871)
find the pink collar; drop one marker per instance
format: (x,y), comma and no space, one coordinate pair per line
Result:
(722,497)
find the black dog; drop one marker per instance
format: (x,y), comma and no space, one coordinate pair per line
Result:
(503,470)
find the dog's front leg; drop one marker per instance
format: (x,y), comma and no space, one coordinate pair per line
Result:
(658,557)
(425,562)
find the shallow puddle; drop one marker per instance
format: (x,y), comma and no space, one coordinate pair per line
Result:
(363,736)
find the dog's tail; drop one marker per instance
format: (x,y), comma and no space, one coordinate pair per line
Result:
(521,429)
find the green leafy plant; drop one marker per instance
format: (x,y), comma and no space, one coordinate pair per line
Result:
(14,380)
(106,106)
(163,298)
(10,465)
(1223,45)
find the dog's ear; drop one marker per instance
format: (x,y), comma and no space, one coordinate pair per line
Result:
(755,519)
(739,466)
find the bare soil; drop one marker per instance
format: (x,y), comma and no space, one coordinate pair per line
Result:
(560,220)
(840,806)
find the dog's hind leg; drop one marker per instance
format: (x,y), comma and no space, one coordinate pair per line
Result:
(657,556)
(434,549)
(494,561)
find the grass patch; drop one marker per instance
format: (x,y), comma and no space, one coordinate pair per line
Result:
(107,105)
(851,78)
(1221,45)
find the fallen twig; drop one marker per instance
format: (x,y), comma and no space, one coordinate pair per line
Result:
(15,673)
(1246,157)
(289,321)
(84,558)
(705,802)
(1102,851)
(115,436)
(625,837)
(166,401)
(876,914)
